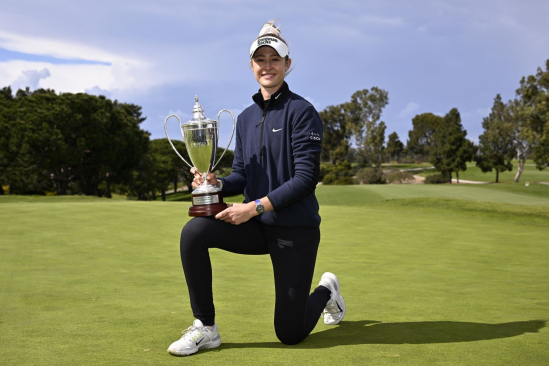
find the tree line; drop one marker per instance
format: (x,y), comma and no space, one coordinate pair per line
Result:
(354,136)
(84,144)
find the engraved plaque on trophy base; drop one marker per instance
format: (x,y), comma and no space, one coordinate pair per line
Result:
(207,204)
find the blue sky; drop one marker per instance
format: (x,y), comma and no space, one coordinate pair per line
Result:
(430,56)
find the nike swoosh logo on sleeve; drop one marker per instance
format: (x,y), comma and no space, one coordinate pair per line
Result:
(277,130)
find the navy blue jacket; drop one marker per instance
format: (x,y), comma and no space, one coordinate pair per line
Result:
(277,154)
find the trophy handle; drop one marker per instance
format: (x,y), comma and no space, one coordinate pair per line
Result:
(232,134)
(170,141)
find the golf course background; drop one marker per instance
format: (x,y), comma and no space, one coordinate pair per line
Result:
(431,274)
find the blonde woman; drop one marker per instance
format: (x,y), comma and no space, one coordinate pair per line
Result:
(276,166)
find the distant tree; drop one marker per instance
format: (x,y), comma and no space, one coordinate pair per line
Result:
(375,144)
(394,147)
(421,137)
(464,154)
(162,167)
(370,176)
(529,112)
(340,174)
(19,168)
(224,167)
(337,133)
(6,94)
(496,144)
(366,107)
(542,150)
(69,141)
(451,150)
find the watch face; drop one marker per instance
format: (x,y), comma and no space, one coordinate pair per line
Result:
(259,207)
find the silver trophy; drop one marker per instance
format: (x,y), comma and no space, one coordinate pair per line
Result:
(201,136)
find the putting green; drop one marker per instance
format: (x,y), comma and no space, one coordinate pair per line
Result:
(99,282)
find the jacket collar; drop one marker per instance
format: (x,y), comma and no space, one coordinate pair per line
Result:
(276,98)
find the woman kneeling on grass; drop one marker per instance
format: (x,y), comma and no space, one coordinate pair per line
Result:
(276,165)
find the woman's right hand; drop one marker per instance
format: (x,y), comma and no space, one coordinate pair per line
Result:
(198,179)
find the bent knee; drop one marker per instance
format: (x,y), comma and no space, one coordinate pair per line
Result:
(193,233)
(290,337)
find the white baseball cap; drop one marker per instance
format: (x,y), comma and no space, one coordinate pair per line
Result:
(266,38)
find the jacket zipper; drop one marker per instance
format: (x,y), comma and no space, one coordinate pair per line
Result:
(262,122)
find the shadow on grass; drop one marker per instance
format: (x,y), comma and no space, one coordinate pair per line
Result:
(375,332)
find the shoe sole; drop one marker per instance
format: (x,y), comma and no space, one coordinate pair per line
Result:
(208,345)
(333,278)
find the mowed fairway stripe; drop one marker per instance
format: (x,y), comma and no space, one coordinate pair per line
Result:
(100,283)
(364,194)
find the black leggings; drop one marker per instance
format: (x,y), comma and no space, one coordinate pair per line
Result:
(293,254)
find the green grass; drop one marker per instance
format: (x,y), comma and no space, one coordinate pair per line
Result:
(530,174)
(57,199)
(537,190)
(368,194)
(445,275)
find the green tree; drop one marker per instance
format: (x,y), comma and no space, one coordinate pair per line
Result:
(18,166)
(163,166)
(451,150)
(394,147)
(340,174)
(529,112)
(366,107)
(180,170)
(337,134)
(496,144)
(75,142)
(421,137)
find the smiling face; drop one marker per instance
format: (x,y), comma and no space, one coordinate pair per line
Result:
(269,69)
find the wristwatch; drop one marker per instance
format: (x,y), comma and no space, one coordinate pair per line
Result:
(259,207)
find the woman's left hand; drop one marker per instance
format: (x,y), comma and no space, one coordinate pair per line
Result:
(238,213)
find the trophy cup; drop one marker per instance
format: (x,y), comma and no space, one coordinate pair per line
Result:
(201,135)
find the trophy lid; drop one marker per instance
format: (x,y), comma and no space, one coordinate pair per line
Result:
(199,119)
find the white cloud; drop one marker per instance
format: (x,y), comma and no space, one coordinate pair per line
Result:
(98,91)
(409,110)
(30,78)
(164,65)
(117,72)
(56,48)
(77,78)
(68,78)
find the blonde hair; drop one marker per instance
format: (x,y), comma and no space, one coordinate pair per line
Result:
(270,28)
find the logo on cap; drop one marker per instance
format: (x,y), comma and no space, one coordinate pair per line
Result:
(266,40)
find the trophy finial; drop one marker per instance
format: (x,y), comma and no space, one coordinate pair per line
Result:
(198,112)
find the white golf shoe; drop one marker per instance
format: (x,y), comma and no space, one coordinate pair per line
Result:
(335,308)
(195,338)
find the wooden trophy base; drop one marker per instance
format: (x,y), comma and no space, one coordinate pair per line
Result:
(207,204)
